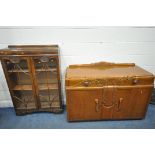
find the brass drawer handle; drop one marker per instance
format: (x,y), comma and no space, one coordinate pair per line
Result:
(135,81)
(86,83)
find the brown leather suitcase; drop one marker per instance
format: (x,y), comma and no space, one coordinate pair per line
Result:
(107,91)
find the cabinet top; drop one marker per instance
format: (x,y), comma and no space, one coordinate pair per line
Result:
(29,50)
(105,70)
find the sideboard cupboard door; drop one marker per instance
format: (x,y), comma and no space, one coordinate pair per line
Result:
(86,101)
(46,76)
(131,105)
(19,77)
(123,103)
(139,96)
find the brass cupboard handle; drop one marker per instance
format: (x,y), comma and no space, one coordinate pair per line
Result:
(101,105)
(119,103)
(97,105)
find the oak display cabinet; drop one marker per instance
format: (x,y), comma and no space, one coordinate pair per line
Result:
(33,77)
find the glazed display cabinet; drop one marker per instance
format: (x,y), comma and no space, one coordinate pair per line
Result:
(33,77)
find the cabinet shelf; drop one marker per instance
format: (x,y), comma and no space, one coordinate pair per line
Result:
(47,104)
(54,70)
(44,105)
(41,87)
(30,105)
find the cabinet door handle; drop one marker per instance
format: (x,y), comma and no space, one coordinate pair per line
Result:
(119,104)
(97,105)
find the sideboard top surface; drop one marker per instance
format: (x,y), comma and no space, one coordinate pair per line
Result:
(105,69)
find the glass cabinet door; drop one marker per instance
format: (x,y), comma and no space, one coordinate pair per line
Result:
(47,81)
(20,82)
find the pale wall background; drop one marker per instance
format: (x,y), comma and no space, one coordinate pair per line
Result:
(84,45)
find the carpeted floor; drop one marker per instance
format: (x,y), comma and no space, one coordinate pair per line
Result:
(8,120)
